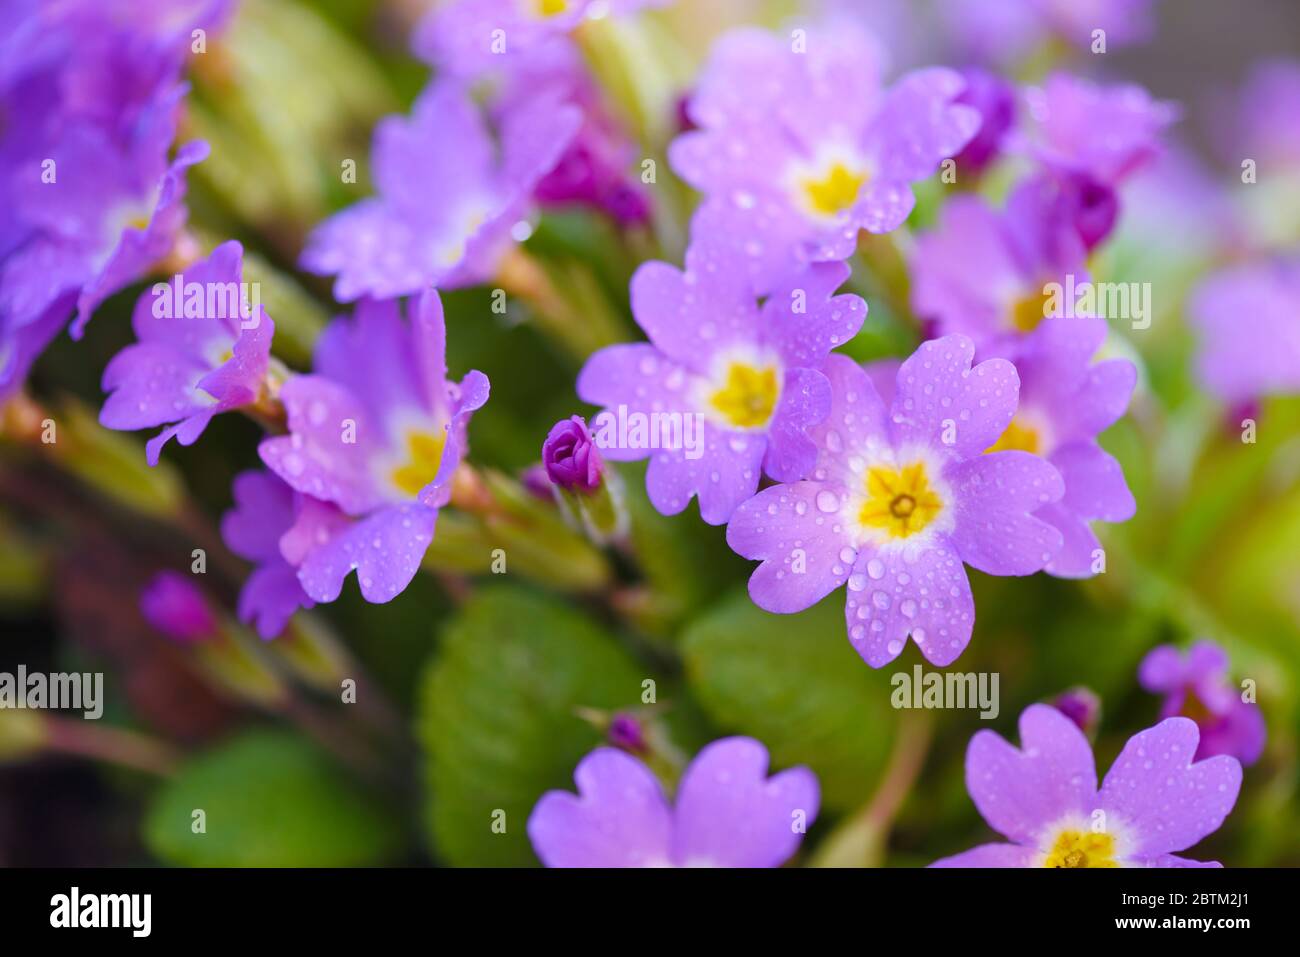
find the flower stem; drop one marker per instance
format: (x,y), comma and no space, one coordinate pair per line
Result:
(860,841)
(129,749)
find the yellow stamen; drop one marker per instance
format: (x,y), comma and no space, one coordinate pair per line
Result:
(1019,436)
(749,396)
(424,455)
(899,501)
(1028,312)
(550,8)
(1082,849)
(836,191)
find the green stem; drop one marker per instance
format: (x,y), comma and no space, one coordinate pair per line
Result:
(861,840)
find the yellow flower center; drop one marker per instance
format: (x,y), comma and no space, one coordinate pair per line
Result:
(550,8)
(748,397)
(1028,312)
(1082,849)
(423,456)
(1019,436)
(836,191)
(900,502)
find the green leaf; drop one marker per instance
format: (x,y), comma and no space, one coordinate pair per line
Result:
(794,683)
(270,799)
(498,721)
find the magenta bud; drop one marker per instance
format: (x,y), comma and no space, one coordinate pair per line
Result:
(625,732)
(175,607)
(570,456)
(1081,705)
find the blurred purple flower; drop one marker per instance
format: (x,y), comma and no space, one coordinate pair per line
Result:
(570,456)
(797,151)
(472,37)
(1065,402)
(1197,686)
(1267,116)
(1004,31)
(982,272)
(174,606)
(995,101)
(378,431)
(1044,798)
(1106,132)
(189,365)
(448,196)
(537,483)
(595,166)
(727,813)
(1246,316)
(901,496)
(269,524)
(739,379)
(88,199)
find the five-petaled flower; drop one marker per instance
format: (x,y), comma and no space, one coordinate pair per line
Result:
(726,388)
(1154,801)
(797,151)
(449,196)
(378,431)
(902,495)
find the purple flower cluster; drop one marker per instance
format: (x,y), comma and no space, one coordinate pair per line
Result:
(890,481)
(981,448)
(89,199)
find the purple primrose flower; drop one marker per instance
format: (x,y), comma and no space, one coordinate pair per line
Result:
(726,389)
(1196,685)
(1107,132)
(902,495)
(88,198)
(448,199)
(796,151)
(202,349)
(1065,402)
(984,273)
(378,431)
(727,812)
(1154,801)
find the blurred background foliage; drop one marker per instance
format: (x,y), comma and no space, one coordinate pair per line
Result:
(477,692)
